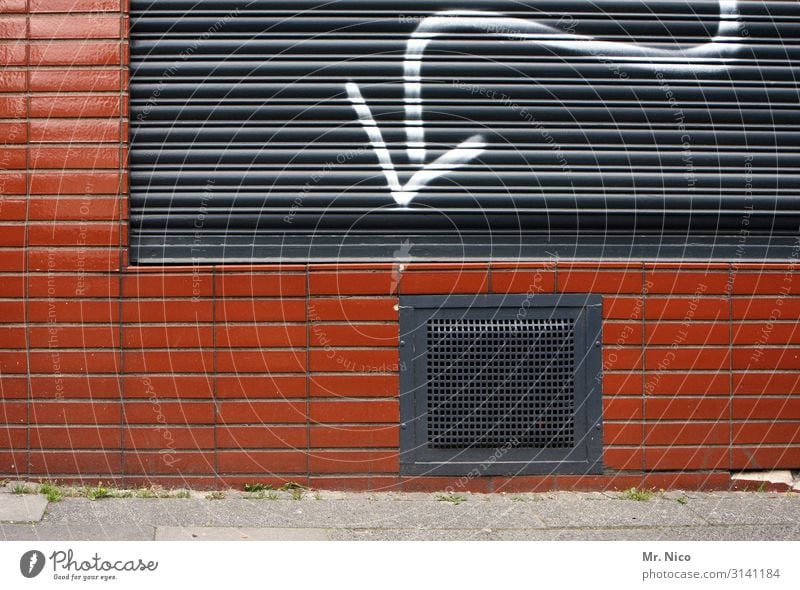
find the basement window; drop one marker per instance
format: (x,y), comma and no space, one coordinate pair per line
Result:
(501,385)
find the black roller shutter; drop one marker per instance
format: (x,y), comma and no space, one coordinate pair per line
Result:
(275,130)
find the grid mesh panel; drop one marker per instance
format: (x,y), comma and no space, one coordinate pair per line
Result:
(497,382)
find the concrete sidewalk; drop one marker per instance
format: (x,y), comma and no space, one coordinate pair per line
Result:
(743,516)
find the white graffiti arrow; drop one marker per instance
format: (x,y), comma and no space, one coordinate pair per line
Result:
(722,46)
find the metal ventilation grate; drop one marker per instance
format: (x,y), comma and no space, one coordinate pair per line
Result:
(498,382)
(487,387)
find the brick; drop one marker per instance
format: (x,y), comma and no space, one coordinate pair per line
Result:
(12,312)
(13,413)
(85,361)
(85,234)
(591,281)
(74,80)
(354,385)
(355,436)
(763,457)
(622,408)
(14,463)
(687,458)
(12,260)
(261,310)
(74,311)
(76,131)
(622,333)
(262,437)
(168,361)
(687,408)
(760,433)
(11,286)
(167,285)
(766,358)
(167,310)
(54,53)
(691,383)
(91,336)
(705,333)
(703,358)
(7,6)
(678,308)
(51,464)
(673,282)
(353,334)
(261,387)
(766,333)
(467,282)
(766,283)
(260,412)
(261,462)
(74,183)
(168,412)
(168,336)
(529,281)
(167,461)
(766,408)
(73,259)
(12,27)
(13,438)
(260,285)
(592,483)
(12,81)
(83,386)
(13,362)
(75,437)
(523,484)
(12,107)
(354,360)
(353,283)
(622,384)
(622,359)
(75,27)
(787,383)
(356,483)
(624,459)
(687,433)
(622,434)
(75,413)
(353,412)
(11,338)
(709,482)
(168,386)
(75,5)
(261,361)
(90,157)
(354,462)
(352,309)
(438,484)
(765,308)
(146,438)
(72,209)
(13,183)
(261,335)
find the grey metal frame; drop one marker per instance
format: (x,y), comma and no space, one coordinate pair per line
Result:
(584,458)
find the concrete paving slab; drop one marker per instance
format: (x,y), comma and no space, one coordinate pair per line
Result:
(353,512)
(74,532)
(570,510)
(22,507)
(239,534)
(414,535)
(704,533)
(747,508)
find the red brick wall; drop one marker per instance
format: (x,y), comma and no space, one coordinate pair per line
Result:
(224,375)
